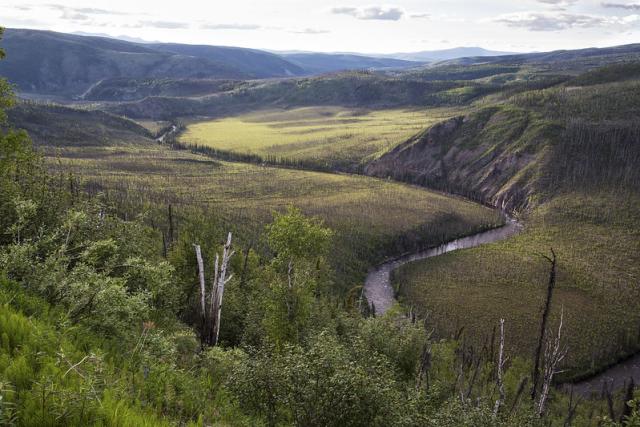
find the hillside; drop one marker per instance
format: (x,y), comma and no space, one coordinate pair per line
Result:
(125,89)
(565,161)
(58,126)
(350,89)
(65,64)
(318,63)
(579,59)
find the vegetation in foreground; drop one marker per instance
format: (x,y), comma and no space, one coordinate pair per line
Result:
(98,328)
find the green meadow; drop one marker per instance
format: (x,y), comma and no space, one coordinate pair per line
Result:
(334,136)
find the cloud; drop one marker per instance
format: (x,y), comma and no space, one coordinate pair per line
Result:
(370,13)
(169,25)
(552,21)
(71,16)
(84,10)
(558,2)
(309,31)
(420,15)
(245,27)
(625,6)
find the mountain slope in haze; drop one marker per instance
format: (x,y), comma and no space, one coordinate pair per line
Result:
(579,58)
(446,54)
(317,63)
(66,64)
(256,63)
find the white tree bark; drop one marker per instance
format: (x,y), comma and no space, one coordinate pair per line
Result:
(227,253)
(553,355)
(500,367)
(202,280)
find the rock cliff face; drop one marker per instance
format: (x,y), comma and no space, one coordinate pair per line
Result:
(493,155)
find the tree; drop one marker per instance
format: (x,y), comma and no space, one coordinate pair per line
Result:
(300,245)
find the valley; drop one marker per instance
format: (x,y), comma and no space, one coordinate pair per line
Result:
(392,230)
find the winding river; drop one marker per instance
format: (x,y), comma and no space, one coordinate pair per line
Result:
(379,292)
(377,287)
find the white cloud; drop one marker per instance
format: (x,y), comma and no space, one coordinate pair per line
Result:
(390,13)
(624,6)
(545,21)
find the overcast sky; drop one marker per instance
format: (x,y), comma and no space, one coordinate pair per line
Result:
(343,25)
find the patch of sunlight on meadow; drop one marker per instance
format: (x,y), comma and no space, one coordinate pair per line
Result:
(328,134)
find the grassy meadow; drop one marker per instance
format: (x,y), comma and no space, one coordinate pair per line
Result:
(332,136)
(596,286)
(373,218)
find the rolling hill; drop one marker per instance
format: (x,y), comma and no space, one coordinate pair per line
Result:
(55,63)
(59,126)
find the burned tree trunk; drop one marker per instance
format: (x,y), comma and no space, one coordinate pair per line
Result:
(535,375)
(500,369)
(554,354)
(227,253)
(203,312)
(210,315)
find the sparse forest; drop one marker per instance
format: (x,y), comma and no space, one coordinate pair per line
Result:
(215,276)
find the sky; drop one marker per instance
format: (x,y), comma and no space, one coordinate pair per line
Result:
(343,25)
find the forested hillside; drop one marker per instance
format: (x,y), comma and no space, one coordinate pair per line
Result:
(188,269)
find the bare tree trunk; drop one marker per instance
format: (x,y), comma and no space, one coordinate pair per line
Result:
(571,409)
(202,284)
(425,365)
(170,236)
(243,277)
(211,315)
(499,382)
(543,325)
(213,300)
(628,397)
(227,253)
(553,355)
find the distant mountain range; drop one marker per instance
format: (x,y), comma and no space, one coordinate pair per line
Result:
(70,66)
(446,54)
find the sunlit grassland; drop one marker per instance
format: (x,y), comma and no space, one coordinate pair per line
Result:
(333,136)
(372,218)
(597,240)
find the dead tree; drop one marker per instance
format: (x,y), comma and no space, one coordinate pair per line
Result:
(554,354)
(170,237)
(500,368)
(203,290)
(425,365)
(628,397)
(210,316)
(245,263)
(535,375)
(221,281)
(571,409)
